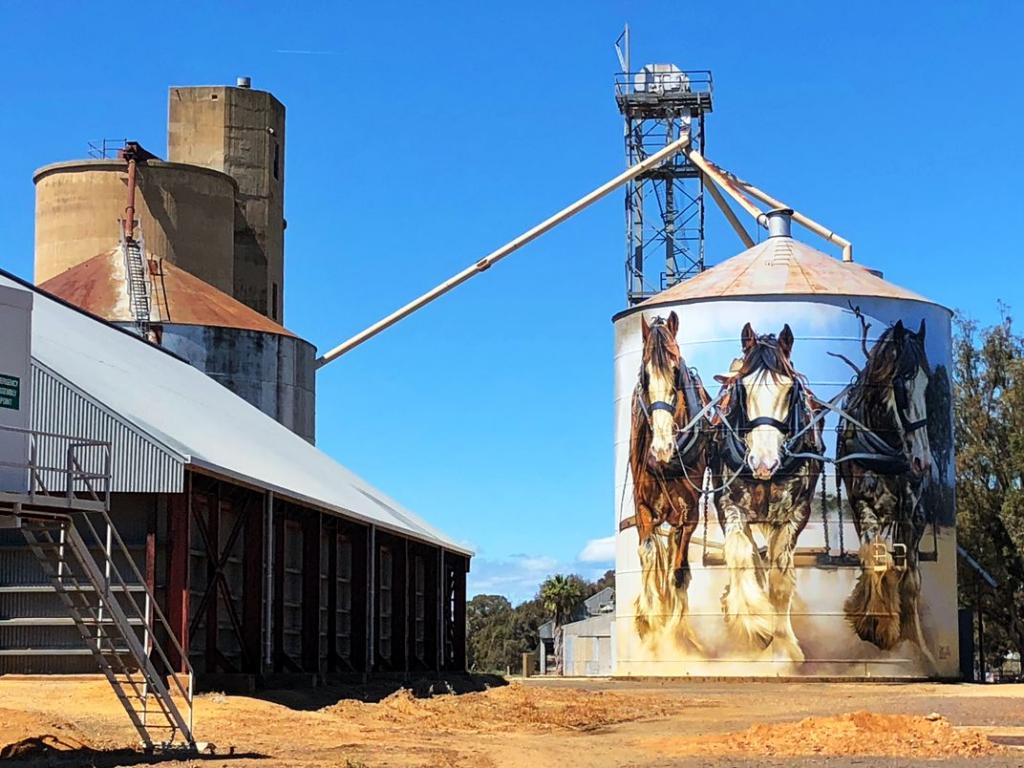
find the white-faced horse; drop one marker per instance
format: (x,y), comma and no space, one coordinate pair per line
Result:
(667,460)
(766,467)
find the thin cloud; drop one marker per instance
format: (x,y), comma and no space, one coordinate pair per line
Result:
(304,52)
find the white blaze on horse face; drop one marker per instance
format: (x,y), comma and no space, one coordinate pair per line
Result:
(661,387)
(920,450)
(767,395)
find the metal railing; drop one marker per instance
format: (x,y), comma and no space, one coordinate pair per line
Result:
(664,82)
(87,479)
(86,467)
(105,149)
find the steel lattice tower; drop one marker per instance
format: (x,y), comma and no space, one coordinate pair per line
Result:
(665,206)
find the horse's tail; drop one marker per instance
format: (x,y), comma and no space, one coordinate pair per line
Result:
(874,607)
(748,611)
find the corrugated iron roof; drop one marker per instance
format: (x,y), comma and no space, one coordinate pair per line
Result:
(98,286)
(191,415)
(781,266)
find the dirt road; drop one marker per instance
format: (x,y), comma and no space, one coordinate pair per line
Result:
(583,724)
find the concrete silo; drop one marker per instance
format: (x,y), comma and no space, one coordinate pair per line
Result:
(842,327)
(186,214)
(189,253)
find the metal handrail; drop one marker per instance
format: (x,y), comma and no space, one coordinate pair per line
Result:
(698,80)
(111,529)
(75,473)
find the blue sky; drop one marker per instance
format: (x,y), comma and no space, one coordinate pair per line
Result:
(421,136)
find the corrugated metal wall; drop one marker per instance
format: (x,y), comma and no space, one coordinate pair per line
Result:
(37,635)
(139,464)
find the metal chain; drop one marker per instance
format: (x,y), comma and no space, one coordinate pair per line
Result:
(839,503)
(824,511)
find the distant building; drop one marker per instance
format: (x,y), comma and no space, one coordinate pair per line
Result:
(587,648)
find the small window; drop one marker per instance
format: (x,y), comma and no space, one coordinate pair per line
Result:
(273,303)
(277,161)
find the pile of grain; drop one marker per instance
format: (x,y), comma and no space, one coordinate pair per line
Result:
(507,707)
(856,733)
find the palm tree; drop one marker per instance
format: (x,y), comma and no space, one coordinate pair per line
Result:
(561,596)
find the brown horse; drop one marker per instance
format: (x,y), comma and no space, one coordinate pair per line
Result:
(884,459)
(765,472)
(668,464)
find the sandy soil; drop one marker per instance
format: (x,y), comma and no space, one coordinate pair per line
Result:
(583,724)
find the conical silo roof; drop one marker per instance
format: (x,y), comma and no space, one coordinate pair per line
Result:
(782,266)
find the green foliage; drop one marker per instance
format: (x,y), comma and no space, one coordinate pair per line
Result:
(561,596)
(988,380)
(498,634)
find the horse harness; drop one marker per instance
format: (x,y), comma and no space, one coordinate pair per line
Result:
(735,425)
(867,447)
(688,439)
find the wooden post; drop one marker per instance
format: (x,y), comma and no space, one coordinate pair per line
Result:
(253,550)
(212,577)
(311,591)
(278,595)
(460,614)
(332,594)
(177,571)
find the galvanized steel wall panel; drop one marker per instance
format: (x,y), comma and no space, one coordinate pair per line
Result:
(139,464)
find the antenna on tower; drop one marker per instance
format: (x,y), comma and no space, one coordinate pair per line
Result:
(665,206)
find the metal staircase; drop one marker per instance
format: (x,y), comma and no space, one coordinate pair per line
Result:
(71,534)
(137,282)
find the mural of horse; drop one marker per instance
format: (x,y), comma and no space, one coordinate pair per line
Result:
(668,464)
(884,459)
(765,471)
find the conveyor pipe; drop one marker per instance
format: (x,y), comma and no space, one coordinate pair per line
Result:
(728,212)
(798,217)
(679,145)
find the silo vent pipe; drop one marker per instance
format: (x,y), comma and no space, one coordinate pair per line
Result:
(677,146)
(780,222)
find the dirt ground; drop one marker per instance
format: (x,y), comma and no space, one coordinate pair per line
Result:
(578,723)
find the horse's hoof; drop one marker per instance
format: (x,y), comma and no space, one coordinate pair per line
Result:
(787,650)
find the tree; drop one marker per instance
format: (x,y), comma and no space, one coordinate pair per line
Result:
(607,580)
(498,634)
(488,623)
(561,596)
(988,411)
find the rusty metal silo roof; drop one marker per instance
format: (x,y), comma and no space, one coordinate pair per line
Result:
(782,266)
(98,286)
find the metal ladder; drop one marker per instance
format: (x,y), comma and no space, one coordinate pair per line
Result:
(137,281)
(107,615)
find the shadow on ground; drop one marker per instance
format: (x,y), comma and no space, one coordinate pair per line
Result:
(50,751)
(309,699)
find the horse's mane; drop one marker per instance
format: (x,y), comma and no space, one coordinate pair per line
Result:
(766,355)
(887,361)
(661,349)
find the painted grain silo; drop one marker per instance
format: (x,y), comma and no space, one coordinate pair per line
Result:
(784,473)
